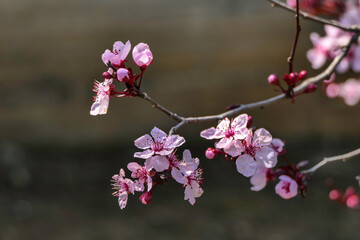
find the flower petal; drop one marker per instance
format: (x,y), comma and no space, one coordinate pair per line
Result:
(178,176)
(267,156)
(262,137)
(158,135)
(173,141)
(159,163)
(246,165)
(240,121)
(144,142)
(144,155)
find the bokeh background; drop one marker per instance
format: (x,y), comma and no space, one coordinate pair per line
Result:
(56,161)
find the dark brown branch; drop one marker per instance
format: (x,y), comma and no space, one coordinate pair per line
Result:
(298,29)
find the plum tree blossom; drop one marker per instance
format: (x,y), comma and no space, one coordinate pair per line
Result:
(123,187)
(102,98)
(229,133)
(287,187)
(143,176)
(142,55)
(349,91)
(118,55)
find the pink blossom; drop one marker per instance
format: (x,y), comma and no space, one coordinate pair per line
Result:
(333,90)
(352,201)
(259,179)
(102,98)
(123,187)
(327,47)
(189,175)
(229,134)
(158,143)
(256,151)
(123,75)
(118,55)
(350,92)
(287,187)
(142,55)
(278,145)
(143,175)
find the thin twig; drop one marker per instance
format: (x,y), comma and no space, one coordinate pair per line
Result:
(325,161)
(311,17)
(298,29)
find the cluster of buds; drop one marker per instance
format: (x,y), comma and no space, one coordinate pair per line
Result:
(350,198)
(320,7)
(115,61)
(291,80)
(160,164)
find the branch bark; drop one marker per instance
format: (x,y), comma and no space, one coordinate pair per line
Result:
(327,160)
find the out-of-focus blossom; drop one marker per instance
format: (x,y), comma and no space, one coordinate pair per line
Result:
(123,187)
(229,133)
(320,7)
(349,91)
(118,55)
(350,198)
(256,151)
(158,143)
(143,176)
(102,98)
(328,47)
(287,187)
(142,55)
(278,145)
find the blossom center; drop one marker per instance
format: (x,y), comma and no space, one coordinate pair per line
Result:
(229,133)
(286,186)
(251,150)
(158,146)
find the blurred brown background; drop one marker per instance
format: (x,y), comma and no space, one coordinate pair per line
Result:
(56,160)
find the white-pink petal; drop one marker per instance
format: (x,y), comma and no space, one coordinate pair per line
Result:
(159,163)
(266,156)
(246,165)
(259,179)
(158,135)
(261,137)
(144,155)
(144,142)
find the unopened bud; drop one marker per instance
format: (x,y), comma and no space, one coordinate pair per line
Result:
(123,75)
(106,75)
(145,198)
(210,153)
(334,194)
(293,78)
(273,79)
(310,88)
(249,122)
(302,75)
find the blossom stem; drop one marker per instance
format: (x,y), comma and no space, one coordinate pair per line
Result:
(298,29)
(325,161)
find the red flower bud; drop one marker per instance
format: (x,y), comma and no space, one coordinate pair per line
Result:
(145,198)
(273,79)
(302,75)
(106,75)
(310,88)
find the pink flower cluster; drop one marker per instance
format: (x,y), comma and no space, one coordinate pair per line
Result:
(255,153)
(349,91)
(117,70)
(160,164)
(327,47)
(350,198)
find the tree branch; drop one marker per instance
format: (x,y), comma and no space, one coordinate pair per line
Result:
(325,161)
(278,3)
(298,29)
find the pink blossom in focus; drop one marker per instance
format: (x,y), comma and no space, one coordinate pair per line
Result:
(102,98)
(190,176)
(229,133)
(142,55)
(143,176)
(257,150)
(123,187)
(287,187)
(259,179)
(158,143)
(118,55)
(123,75)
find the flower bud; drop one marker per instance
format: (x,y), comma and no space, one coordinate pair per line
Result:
(302,75)
(142,55)
(249,122)
(273,79)
(106,75)
(352,201)
(210,153)
(310,88)
(123,75)
(293,78)
(334,194)
(145,198)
